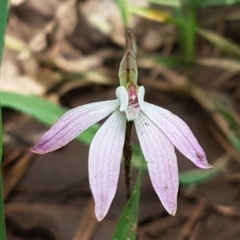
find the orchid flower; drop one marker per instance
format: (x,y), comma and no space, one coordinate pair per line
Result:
(158,131)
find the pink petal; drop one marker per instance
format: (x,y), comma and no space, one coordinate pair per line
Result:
(178,132)
(104,162)
(161,160)
(72,123)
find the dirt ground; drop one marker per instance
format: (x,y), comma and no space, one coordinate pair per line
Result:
(48,196)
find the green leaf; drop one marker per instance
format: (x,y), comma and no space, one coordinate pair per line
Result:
(198,176)
(3,24)
(127,223)
(188,32)
(137,157)
(191,177)
(155,15)
(196,3)
(170,62)
(232,121)
(43,110)
(210,3)
(224,44)
(123,6)
(221,42)
(172,3)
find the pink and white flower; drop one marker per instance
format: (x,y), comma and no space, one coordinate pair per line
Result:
(158,131)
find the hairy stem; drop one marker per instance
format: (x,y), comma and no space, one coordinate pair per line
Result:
(127,154)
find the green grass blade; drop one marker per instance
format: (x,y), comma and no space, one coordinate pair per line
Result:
(224,44)
(127,223)
(232,119)
(3,24)
(188,32)
(196,3)
(170,3)
(43,110)
(191,177)
(153,14)
(170,62)
(123,6)
(221,42)
(212,3)
(198,176)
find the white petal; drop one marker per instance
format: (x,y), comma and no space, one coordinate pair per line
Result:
(72,123)
(122,96)
(178,132)
(141,94)
(161,160)
(104,162)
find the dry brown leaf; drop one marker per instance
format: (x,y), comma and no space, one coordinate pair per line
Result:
(104,15)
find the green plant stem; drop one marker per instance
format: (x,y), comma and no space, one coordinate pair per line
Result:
(127,154)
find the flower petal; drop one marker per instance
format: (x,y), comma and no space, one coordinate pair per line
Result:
(104,162)
(122,96)
(178,132)
(72,123)
(161,160)
(141,94)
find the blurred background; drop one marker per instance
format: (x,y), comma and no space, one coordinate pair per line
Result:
(60,54)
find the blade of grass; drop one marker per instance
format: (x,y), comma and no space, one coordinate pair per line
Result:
(196,177)
(221,42)
(196,3)
(154,15)
(210,3)
(191,177)
(123,6)
(232,121)
(43,110)
(3,24)
(169,62)
(208,102)
(224,44)
(171,3)
(127,223)
(188,32)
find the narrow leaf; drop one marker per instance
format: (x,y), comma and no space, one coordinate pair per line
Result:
(221,42)
(217,40)
(171,3)
(124,10)
(170,62)
(155,15)
(3,24)
(190,177)
(127,223)
(188,33)
(198,176)
(196,3)
(43,110)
